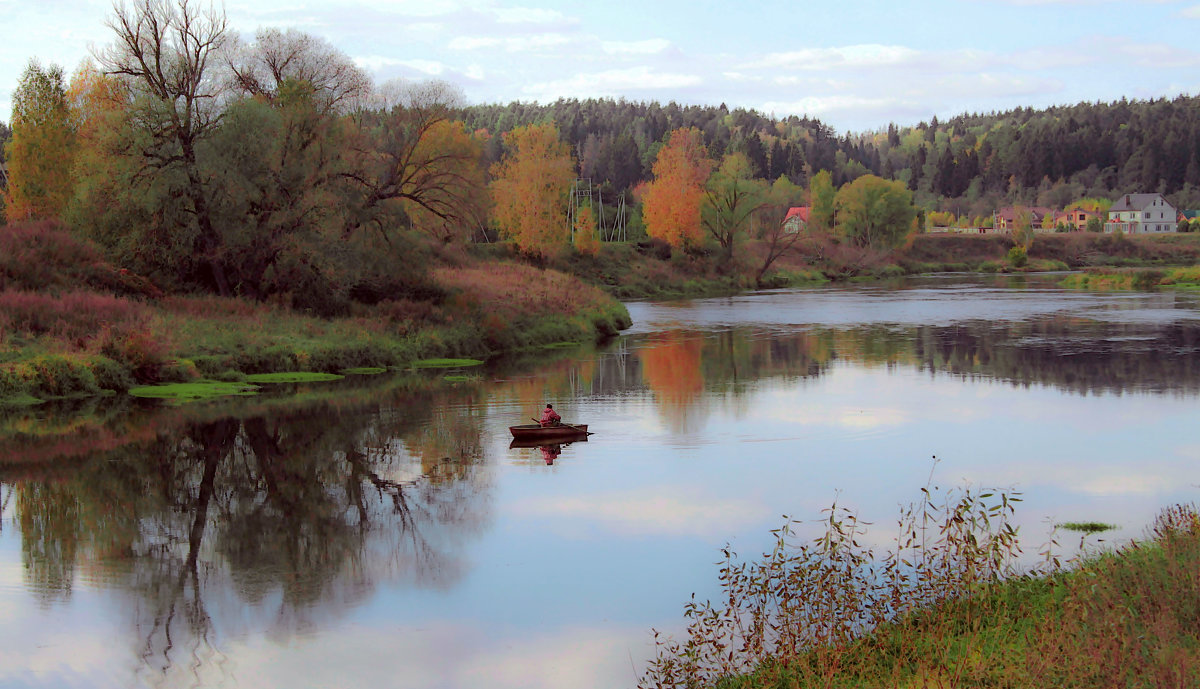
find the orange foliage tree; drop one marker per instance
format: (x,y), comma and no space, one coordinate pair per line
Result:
(671,202)
(530,189)
(42,149)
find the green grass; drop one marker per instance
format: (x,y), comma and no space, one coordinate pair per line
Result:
(561,345)
(363,371)
(456,378)
(192,392)
(292,377)
(446,363)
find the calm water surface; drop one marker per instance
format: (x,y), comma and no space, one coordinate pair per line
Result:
(394,539)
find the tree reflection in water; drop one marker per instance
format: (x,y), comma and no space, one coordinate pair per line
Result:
(263,523)
(683,369)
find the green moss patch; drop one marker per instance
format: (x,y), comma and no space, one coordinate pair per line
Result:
(190,392)
(363,371)
(456,379)
(293,377)
(446,363)
(21,400)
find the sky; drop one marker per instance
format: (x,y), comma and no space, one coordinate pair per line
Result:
(855,64)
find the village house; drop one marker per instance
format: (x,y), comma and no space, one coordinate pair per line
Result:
(1141,213)
(1076,219)
(796,219)
(1005,219)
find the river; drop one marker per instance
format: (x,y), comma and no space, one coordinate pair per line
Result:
(384,534)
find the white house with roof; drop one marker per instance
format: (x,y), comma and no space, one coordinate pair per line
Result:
(1141,213)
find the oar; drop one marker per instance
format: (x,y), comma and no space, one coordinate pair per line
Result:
(561,423)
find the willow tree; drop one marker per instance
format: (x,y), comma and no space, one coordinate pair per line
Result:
(168,53)
(530,189)
(409,162)
(262,68)
(731,196)
(873,212)
(41,151)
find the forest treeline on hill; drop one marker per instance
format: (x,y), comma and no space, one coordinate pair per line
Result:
(969,165)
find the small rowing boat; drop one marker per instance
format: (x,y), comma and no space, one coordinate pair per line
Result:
(533,432)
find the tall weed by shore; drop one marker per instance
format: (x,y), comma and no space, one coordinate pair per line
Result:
(946,606)
(805,609)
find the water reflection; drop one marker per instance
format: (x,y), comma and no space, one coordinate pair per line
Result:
(690,370)
(268,523)
(546,452)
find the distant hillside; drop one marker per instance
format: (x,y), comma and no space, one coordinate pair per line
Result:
(969,165)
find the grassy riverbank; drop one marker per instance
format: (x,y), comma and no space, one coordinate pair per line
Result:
(1135,278)
(947,608)
(73,326)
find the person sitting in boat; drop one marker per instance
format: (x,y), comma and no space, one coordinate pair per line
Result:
(550,417)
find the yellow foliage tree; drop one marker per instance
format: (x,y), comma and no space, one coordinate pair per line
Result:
(460,158)
(530,187)
(672,200)
(42,149)
(98,105)
(587,235)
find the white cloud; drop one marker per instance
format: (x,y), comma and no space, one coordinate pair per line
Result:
(648,47)
(474,42)
(1158,55)
(1192,12)
(528,15)
(514,44)
(611,83)
(739,76)
(376,62)
(850,56)
(425,66)
(673,511)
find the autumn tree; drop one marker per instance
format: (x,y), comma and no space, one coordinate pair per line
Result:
(586,235)
(731,195)
(530,189)
(99,106)
(873,212)
(461,192)
(167,53)
(262,68)
(409,162)
(42,149)
(672,200)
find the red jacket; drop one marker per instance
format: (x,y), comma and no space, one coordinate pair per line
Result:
(550,417)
